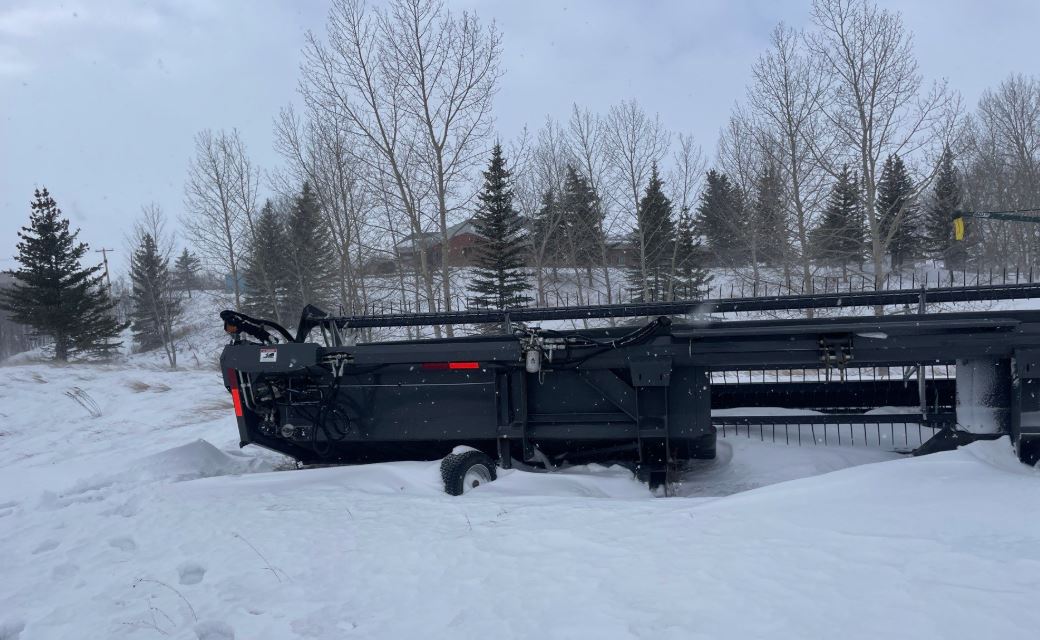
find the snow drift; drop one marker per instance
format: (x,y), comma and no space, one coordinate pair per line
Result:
(147,521)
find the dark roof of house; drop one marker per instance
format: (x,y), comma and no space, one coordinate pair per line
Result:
(466,226)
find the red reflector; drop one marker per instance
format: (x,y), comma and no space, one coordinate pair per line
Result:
(443,366)
(236,398)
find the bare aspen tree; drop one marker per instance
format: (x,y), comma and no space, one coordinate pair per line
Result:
(741,157)
(1012,115)
(245,185)
(521,154)
(587,154)
(352,79)
(684,179)
(213,198)
(877,104)
(526,196)
(633,142)
(1004,166)
(547,167)
(415,84)
(390,224)
(593,149)
(320,151)
(787,97)
(448,67)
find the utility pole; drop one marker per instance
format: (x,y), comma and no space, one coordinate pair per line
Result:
(104,259)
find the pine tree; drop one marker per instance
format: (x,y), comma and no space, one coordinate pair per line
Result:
(311,262)
(545,236)
(839,238)
(581,219)
(155,307)
(266,267)
(740,219)
(653,242)
(186,272)
(690,277)
(52,293)
(897,211)
(768,218)
(938,222)
(499,280)
(719,215)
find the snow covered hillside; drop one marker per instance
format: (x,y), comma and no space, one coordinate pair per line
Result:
(128,511)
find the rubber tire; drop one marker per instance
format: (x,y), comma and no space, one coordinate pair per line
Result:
(455,466)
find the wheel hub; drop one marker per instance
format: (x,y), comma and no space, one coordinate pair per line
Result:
(475,476)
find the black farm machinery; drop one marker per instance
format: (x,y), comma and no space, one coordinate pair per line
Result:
(640,393)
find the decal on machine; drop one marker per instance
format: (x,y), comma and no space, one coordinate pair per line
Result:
(269,355)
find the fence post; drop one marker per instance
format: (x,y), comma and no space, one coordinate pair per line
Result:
(922,393)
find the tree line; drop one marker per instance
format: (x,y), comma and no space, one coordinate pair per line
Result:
(840,157)
(72,305)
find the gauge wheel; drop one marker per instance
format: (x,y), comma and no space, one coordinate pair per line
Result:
(463,472)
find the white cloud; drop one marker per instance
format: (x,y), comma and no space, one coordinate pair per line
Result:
(44,33)
(42,18)
(23,22)
(13,62)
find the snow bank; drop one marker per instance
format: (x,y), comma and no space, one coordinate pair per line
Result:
(148,522)
(191,461)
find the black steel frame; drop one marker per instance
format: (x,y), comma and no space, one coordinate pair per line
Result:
(855,299)
(611,389)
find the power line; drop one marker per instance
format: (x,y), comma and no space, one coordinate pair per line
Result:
(104,259)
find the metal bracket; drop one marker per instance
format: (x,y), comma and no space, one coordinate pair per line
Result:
(651,372)
(613,389)
(835,353)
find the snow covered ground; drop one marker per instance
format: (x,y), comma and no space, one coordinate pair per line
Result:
(128,511)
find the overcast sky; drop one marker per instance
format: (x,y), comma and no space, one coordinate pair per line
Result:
(100,99)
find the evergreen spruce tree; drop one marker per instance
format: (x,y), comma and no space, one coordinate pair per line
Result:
(691,278)
(581,217)
(499,280)
(897,211)
(840,236)
(52,293)
(545,237)
(653,242)
(266,267)
(740,219)
(311,265)
(186,272)
(155,306)
(768,218)
(938,222)
(718,215)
